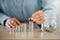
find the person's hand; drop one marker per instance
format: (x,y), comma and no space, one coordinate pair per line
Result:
(12,23)
(38,17)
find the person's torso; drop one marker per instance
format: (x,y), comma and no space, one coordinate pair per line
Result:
(21,9)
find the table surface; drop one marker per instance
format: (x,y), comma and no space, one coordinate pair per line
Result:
(37,35)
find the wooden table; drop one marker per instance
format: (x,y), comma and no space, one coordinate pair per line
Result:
(29,35)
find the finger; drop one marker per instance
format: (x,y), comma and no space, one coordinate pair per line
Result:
(34,15)
(11,25)
(37,19)
(14,24)
(34,20)
(39,22)
(31,18)
(37,16)
(17,21)
(7,25)
(40,14)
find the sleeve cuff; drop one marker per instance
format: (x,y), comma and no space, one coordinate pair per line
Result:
(3,19)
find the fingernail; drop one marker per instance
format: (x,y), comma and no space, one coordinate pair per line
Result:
(31,18)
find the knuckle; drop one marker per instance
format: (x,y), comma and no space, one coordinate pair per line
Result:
(32,18)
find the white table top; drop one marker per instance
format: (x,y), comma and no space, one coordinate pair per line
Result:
(29,35)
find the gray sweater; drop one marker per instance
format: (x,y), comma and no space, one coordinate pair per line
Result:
(23,9)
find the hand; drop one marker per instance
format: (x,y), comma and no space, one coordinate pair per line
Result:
(12,22)
(38,17)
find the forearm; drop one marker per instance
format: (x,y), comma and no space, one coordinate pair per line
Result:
(50,8)
(3,18)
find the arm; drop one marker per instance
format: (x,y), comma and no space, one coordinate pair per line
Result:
(50,8)
(6,20)
(3,17)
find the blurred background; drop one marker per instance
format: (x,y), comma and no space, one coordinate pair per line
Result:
(58,15)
